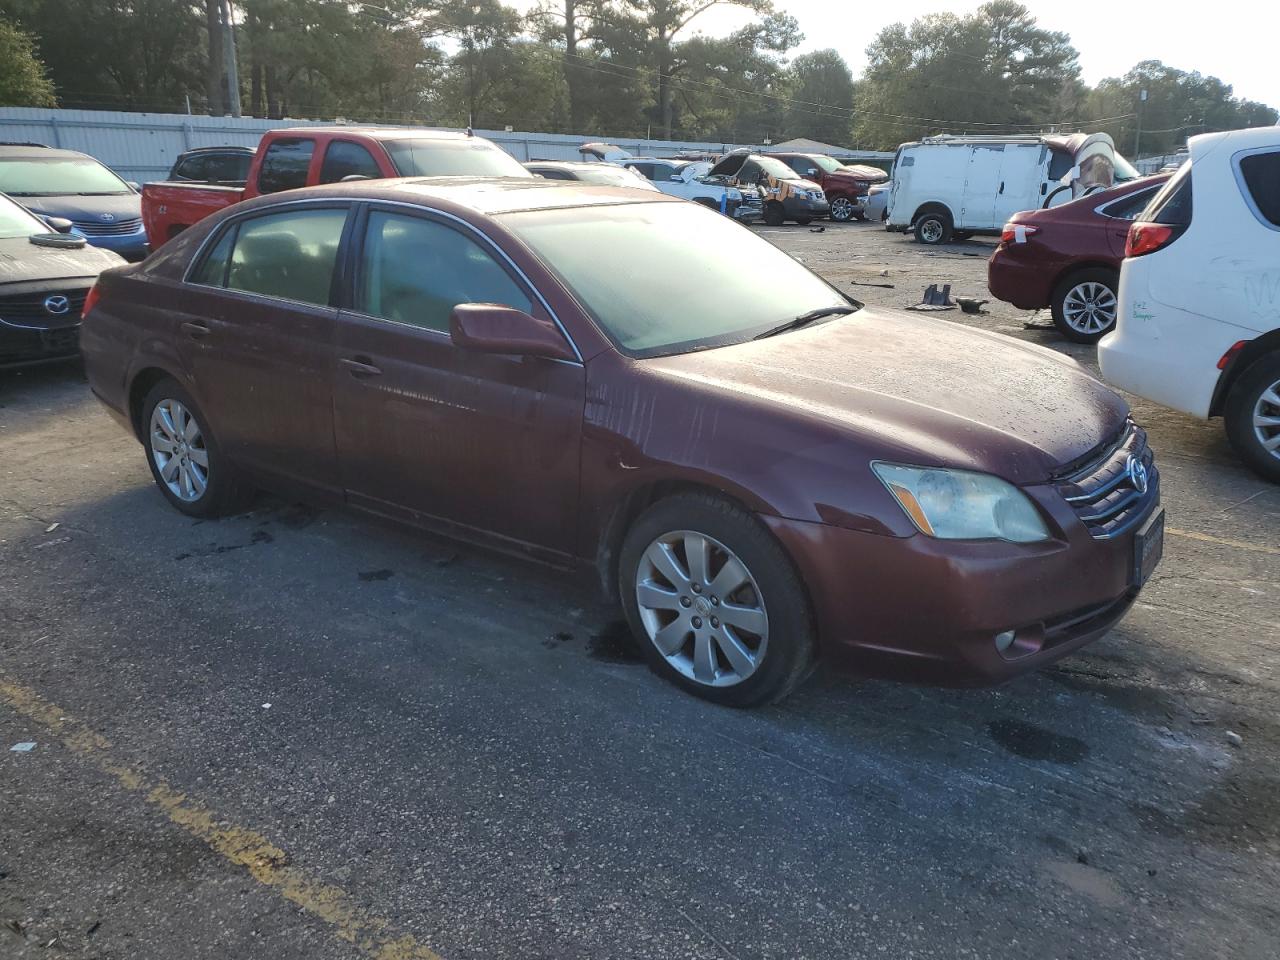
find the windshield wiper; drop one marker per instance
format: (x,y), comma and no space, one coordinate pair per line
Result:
(795,323)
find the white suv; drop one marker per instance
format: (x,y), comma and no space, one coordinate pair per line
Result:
(1198,327)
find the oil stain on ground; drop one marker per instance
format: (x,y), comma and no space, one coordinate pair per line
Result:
(369,576)
(1030,742)
(615,644)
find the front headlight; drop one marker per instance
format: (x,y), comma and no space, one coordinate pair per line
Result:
(961,505)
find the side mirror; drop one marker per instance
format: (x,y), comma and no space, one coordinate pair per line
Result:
(133,185)
(60,224)
(811,172)
(493,328)
(676,178)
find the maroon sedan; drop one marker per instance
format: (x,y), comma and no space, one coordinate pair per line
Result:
(761,470)
(1068,258)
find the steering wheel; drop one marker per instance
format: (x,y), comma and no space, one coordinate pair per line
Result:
(1094,188)
(1053,193)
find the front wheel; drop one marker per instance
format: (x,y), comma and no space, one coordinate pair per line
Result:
(1084,305)
(715,602)
(843,210)
(185,460)
(1253,417)
(774,215)
(933,229)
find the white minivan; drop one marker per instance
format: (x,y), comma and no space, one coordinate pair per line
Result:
(1198,325)
(947,187)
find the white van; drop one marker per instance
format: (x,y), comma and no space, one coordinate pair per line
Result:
(1198,325)
(948,187)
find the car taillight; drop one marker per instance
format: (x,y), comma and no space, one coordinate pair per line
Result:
(1017,233)
(1147,238)
(90,301)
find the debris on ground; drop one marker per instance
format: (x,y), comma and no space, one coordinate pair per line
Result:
(1235,739)
(25,747)
(882,286)
(971,304)
(935,299)
(52,527)
(817,229)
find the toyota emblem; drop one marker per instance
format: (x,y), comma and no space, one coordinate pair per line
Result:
(57,304)
(1137,471)
(106,216)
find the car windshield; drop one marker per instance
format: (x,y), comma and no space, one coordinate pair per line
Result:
(15,221)
(452,158)
(827,164)
(664,278)
(776,168)
(610,176)
(1125,170)
(58,177)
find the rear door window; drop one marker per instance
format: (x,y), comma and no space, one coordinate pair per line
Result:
(644,169)
(346,159)
(1260,173)
(1128,208)
(285,164)
(289,255)
(415,271)
(1172,205)
(227,167)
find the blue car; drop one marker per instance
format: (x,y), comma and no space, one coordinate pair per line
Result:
(73,186)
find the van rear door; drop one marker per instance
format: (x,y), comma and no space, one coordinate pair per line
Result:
(1022,171)
(981,188)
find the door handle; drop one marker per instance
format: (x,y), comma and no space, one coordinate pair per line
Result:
(1001,188)
(196,331)
(360,367)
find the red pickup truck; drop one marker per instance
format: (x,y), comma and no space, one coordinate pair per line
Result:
(305,156)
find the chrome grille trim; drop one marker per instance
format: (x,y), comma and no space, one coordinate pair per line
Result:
(1103,494)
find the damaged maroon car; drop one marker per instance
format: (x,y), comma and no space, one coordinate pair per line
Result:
(763,472)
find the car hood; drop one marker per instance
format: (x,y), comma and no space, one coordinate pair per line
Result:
(922,391)
(126,206)
(22,261)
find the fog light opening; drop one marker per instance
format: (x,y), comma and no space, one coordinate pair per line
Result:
(1004,641)
(1012,644)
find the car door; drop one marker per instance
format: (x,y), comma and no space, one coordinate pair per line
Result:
(441,435)
(257,334)
(1118,215)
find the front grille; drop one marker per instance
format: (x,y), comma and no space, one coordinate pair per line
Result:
(1108,493)
(28,309)
(102,228)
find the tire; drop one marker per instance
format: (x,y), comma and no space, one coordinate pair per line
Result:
(207,490)
(774,215)
(1084,304)
(1252,416)
(860,216)
(804,221)
(843,210)
(770,645)
(933,229)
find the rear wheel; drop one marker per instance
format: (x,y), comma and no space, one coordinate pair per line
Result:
(1253,416)
(933,228)
(715,602)
(843,210)
(1084,305)
(774,215)
(185,459)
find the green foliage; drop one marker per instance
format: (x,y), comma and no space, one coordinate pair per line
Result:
(821,88)
(22,76)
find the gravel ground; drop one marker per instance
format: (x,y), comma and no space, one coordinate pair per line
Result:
(299,733)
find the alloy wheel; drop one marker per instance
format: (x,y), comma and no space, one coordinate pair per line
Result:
(841,209)
(1089,308)
(701,608)
(179,451)
(1266,419)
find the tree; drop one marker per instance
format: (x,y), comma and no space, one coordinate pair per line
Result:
(23,82)
(820,86)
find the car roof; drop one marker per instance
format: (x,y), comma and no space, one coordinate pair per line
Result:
(572,164)
(1238,139)
(382,133)
(223,147)
(39,153)
(488,196)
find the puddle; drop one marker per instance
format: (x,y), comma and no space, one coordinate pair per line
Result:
(1030,742)
(615,644)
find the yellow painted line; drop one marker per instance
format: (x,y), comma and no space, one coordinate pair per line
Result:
(1223,541)
(265,862)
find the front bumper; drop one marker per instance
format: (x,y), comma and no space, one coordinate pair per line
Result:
(804,207)
(926,610)
(132,246)
(20,345)
(31,332)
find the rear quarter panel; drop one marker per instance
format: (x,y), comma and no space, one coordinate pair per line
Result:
(169,208)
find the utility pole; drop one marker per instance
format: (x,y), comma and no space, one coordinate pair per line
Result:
(1137,137)
(229,51)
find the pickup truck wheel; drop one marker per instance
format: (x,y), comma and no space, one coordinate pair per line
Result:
(933,229)
(774,215)
(843,210)
(1084,305)
(1252,416)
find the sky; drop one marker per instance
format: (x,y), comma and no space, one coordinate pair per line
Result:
(1233,40)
